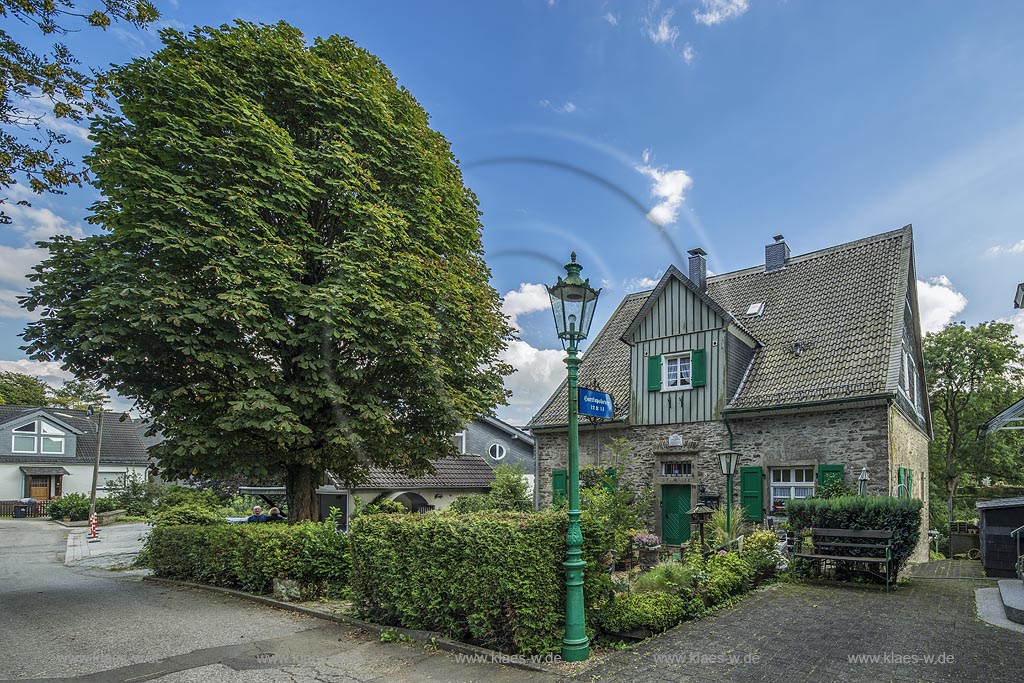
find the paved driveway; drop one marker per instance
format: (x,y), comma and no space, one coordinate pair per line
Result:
(926,631)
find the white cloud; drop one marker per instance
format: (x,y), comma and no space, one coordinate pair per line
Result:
(939,303)
(529,298)
(688,53)
(10,308)
(48,371)
(36,223)
(717,11)
(1012,249)
(1017,320)
(538,373)
(639,284)
(660,28)
(611,19)
(38,107)
(669,186)
(565,108)
(16,263)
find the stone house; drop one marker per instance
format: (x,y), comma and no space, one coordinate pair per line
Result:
(809,366)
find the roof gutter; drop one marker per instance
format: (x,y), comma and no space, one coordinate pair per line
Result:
(555,427)
(808,404)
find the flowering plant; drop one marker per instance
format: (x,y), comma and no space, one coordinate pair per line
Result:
(646,540)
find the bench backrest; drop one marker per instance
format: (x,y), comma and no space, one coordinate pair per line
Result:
(880,534)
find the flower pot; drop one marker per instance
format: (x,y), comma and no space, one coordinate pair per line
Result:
(649,557)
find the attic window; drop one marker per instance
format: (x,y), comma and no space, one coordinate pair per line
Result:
(755,310)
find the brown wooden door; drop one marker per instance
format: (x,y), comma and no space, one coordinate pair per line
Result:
(39,487)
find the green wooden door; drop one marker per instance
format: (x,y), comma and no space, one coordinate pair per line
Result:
(675,518)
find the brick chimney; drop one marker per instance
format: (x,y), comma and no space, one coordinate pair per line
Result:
(699,268)
(776,254)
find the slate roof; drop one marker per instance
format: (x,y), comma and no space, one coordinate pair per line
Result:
(121,442)
(456,472)
(604,366)
(843,306)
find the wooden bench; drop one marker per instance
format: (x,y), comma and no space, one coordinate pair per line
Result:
(834,545)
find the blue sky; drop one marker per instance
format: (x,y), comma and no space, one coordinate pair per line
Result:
(632,130)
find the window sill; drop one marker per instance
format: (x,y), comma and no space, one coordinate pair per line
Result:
(670,389)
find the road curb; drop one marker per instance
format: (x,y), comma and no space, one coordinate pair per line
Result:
(428,637)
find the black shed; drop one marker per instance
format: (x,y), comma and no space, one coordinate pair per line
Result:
(997,518)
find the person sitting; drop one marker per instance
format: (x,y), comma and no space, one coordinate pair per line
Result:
(275,515)
(257,515)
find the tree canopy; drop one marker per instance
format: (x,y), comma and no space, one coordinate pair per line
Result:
(53,84)
(291,275)
(17,389)
(973,373)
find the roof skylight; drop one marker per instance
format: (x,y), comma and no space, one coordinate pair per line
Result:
(756,309)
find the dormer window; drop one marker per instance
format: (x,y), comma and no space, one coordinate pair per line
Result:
(37,437)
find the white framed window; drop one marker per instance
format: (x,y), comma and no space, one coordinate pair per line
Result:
(37,436)
(496,451)
(677,371)
(460,442)
(677,469)
(910,384)
(787,483)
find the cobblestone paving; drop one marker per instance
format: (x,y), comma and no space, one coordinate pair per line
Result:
(949,569)
(813,632)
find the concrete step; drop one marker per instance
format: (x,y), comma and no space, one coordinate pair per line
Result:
(1011,592)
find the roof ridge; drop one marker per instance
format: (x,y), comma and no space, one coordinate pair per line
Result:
(818,253)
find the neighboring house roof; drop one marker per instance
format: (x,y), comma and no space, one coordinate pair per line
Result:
(1011,418)
(604,366)
(999,503)
(121,442)
(454,472)
(514,432)
(831,328)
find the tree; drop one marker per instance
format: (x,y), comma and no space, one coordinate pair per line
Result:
(971,372)
(28,147)
(291,277)
(22,390)
(78,394)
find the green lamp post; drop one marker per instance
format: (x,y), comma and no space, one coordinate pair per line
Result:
(728,461)
(573,301)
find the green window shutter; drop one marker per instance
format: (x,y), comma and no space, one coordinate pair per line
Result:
(611,480)
(751,494)
(698,368)
(902,486)
(559,487)
(910,483)
(654,373)
(828,473)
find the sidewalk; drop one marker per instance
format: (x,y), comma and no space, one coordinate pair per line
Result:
(117,548)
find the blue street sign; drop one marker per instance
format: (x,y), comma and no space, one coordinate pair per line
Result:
(596,403)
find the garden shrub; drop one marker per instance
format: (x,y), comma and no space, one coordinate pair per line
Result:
(186,514)
(493,579)
(668,577)
(251,556)
(726,574)
(900,515)
(656,611)
(761,551)
(473,502)
(135,494)
(175,495)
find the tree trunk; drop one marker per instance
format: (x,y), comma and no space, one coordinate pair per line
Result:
(300,487)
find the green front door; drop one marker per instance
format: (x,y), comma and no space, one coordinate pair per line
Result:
(675,520)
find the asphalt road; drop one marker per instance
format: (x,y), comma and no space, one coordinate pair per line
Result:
(74,623)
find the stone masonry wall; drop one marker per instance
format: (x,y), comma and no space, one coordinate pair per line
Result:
(908,447)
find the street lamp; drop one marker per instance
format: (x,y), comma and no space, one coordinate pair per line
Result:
(728,461)
(573,301)
(862,482)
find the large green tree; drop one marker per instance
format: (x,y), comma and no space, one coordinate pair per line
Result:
(36,83)
(291,276)
(972,373)
(23,390)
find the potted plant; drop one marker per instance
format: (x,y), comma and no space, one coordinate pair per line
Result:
(649,546)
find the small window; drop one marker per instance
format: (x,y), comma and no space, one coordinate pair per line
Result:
(460,442)
(677,469)
(755,309)
(51,444)
(496,451)
(788,483)
(678,372)
(46,428)
(30,428)
(23,444)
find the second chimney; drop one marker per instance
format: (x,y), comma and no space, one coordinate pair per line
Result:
(776,254)
(698,268)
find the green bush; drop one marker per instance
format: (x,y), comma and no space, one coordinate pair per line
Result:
(493,579)
(186,514)
(251,556)
(761,551)
(656,611)
(508,490)
(135,494)
(381,506)
(667,577)
(175,496)
(900,515)
(473,502)
(73,505)
(726,575)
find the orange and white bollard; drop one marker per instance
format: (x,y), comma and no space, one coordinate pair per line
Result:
(93,523)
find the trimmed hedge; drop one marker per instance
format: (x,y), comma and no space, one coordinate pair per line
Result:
(492,579)
(901,515)
(76,506)
(655,611)
(251,556)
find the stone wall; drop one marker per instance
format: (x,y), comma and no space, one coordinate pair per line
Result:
(908,447)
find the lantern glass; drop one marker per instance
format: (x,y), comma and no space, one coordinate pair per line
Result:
(573,302)
(728,461)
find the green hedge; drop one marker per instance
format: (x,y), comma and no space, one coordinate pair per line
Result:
(493,579)
(656,611)
(251,556)
(76,506)
(901,515)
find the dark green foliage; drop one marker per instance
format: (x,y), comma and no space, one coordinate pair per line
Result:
(251,556)
(17,389)
(134,494)
(291,275)
(668,577)
(492,579)
(834,487)
(174,496)
(508,490)
(655,611)
(900,515)
(381,506)
(186,514)
(473,502)
(76,506)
